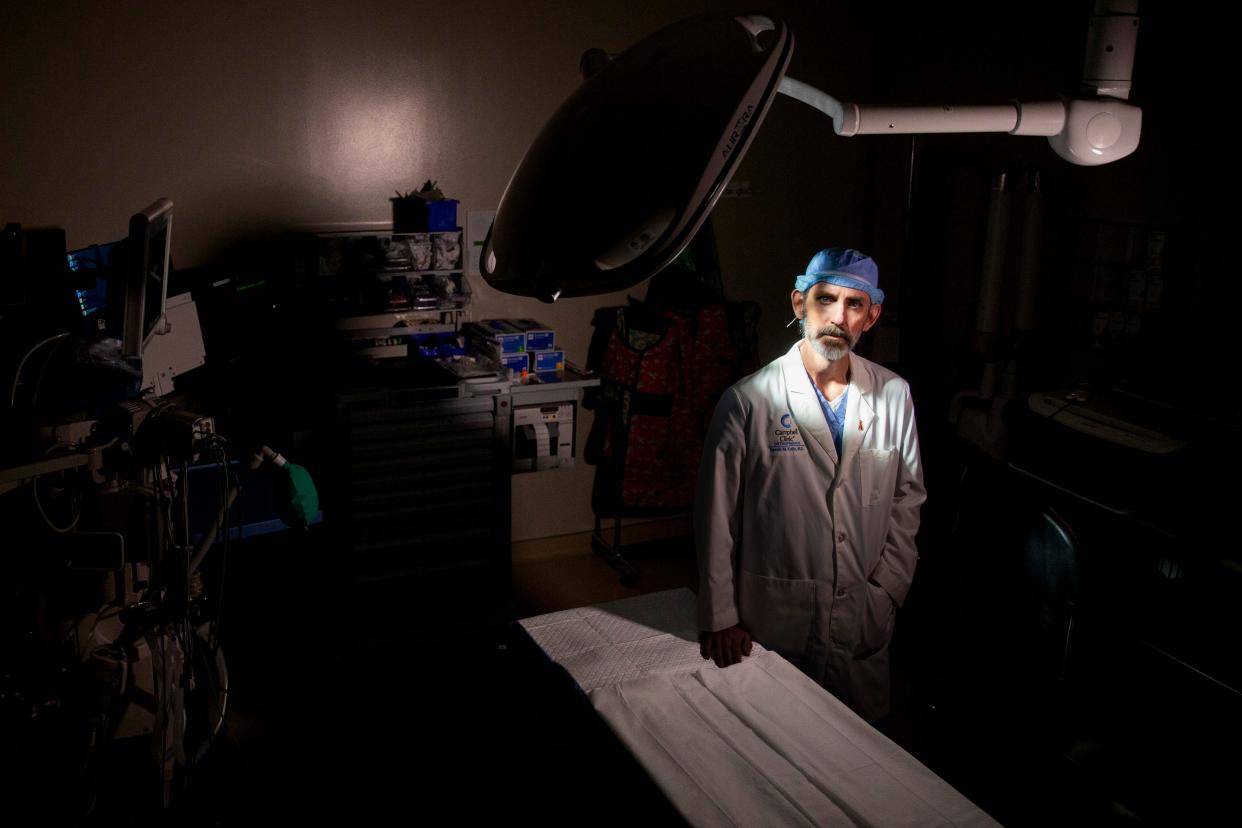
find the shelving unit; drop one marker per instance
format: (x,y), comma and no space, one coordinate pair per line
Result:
(383,288)
(422,449)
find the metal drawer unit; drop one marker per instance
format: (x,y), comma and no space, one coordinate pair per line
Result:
(424,497)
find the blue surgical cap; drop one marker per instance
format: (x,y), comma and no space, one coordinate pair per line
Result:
(845,267)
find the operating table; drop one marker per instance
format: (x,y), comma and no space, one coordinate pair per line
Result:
(758,743)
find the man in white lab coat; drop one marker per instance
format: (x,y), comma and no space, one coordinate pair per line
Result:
(808,497)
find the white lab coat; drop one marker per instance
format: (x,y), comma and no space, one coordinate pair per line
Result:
(809,553)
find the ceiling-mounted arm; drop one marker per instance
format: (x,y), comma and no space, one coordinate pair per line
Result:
(1111,37)
(848,119)
(1086,131)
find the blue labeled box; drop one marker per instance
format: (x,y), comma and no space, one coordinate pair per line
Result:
(518,364)
(495,334)
(552,360)
(539,337)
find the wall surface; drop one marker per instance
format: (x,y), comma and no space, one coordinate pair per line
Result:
(255,118)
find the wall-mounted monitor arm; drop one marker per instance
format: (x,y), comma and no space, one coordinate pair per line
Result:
(1087,130)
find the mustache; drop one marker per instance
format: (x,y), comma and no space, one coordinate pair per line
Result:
(833,330)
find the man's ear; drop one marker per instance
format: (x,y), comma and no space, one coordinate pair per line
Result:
(798,299)
(873,315)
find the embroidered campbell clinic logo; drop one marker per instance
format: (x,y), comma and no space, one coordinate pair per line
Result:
(785,438)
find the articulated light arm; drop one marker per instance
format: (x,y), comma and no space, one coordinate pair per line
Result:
(1085,131)
(1043,118)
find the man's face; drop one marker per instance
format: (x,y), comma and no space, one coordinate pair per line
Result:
(834,317)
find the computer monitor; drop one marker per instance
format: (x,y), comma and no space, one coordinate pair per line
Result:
(146,276)
(92,270)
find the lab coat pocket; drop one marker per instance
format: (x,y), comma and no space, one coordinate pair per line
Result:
(879,474)
(875,623)
(776,611)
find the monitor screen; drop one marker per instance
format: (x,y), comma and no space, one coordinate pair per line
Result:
(155,292)
(146,290)
(94,261)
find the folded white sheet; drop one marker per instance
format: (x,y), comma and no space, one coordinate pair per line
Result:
(758,743)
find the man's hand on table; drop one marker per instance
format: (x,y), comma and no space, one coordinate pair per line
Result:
(725,647)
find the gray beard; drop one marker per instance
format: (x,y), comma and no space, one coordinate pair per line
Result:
(829,352)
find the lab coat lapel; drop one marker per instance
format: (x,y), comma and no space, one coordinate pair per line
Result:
(859,411)
(805,407)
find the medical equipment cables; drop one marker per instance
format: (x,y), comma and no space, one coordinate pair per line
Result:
(74,496)
(159,679)
(222,516)
(21,366)
(164,684)
(51,354)
(224,469)
(166,490)
(220,695)
(215,444)
(211,655)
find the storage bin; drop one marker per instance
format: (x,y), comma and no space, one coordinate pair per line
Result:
(442,214)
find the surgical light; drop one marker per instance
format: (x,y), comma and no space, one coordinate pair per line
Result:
(625,172)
